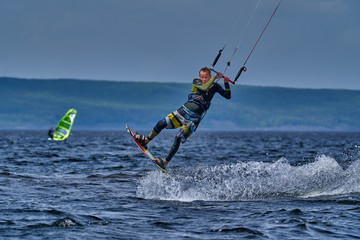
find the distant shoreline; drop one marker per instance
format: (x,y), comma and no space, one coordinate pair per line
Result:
(108,105)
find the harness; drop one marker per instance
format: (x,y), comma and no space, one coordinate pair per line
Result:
(200,101)
(198,98)
(189,115)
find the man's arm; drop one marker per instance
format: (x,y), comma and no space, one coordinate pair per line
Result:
(225,93)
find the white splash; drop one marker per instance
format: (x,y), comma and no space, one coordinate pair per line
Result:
(252,180)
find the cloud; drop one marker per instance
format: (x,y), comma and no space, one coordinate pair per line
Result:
(321,6)
(350,38)
(334,6)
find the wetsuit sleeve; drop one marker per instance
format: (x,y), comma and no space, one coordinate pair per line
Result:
(225,93)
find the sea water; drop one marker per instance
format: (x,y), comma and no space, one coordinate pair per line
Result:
(220,185)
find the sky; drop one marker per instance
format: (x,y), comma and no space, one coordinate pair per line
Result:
(308,43)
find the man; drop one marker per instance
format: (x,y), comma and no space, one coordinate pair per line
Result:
(190,114)
(51,133)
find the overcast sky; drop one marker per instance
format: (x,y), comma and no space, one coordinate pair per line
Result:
(308,44)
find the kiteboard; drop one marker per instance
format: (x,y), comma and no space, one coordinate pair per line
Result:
(144,150)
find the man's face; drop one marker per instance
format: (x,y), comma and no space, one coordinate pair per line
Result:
(204,76)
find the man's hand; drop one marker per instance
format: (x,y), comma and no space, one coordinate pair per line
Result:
(226,79)
(219,75)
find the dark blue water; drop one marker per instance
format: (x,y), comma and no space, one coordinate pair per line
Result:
(98,185)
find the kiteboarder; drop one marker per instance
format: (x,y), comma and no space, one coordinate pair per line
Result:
(190,114)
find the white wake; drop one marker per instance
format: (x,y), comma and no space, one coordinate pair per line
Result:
(252,180)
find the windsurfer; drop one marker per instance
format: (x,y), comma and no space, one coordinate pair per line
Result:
(51,132)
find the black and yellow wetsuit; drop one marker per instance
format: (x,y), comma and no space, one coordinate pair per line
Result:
(190,114)
(202,94)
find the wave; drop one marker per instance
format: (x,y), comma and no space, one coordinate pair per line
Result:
(252,180)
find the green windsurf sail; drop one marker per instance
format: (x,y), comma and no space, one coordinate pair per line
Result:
(63,128)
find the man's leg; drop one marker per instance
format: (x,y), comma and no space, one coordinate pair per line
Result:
(181,137)
(154,132)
